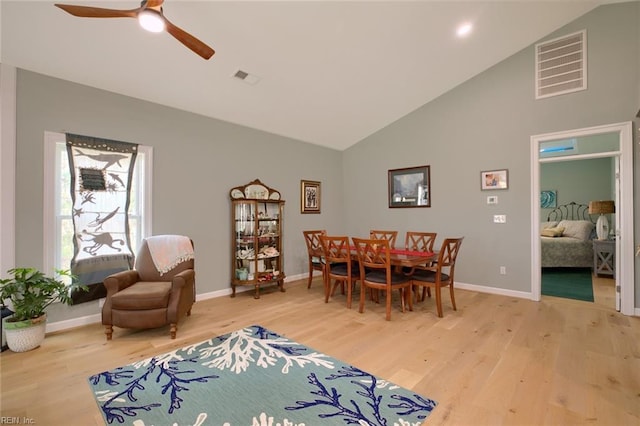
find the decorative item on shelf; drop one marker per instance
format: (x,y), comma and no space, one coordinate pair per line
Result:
(30,293)
(242,274)
(602,208)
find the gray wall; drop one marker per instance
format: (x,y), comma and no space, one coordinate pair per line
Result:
(486,124)
(197,160)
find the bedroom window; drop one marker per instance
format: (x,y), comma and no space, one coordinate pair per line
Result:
(58,223)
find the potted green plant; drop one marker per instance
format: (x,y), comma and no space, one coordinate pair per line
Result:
(30,292)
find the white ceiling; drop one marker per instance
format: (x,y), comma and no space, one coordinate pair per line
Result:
(331,72)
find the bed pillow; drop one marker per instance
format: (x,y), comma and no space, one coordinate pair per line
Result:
(550,224)
(552,232)
(580,229)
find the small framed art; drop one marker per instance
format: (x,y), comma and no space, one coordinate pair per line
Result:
(410,187)
(309,196)
(494,179)
(548,199)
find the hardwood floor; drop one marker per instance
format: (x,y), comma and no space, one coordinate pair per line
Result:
(604,291)
(496,361)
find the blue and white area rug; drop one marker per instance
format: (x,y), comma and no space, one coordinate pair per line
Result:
(252,376)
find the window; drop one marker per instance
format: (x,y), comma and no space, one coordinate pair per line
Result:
(58,224)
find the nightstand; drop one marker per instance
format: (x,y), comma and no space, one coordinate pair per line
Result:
(604,257)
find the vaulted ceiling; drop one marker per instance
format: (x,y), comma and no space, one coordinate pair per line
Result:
(328,72)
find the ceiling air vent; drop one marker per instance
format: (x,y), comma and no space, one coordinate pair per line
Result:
(561,65)
(246,77)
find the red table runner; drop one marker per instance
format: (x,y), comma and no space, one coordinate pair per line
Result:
(406,252)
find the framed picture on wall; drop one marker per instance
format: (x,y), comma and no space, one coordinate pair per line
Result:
(548,199)
(494,179)
(309,196)
(410,187)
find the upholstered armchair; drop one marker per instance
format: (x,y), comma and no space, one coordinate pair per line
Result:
(157,292)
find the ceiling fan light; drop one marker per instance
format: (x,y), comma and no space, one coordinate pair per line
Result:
(151,20)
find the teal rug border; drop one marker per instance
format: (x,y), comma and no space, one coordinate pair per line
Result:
(210,383)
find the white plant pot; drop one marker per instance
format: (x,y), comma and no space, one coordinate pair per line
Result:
(23,336)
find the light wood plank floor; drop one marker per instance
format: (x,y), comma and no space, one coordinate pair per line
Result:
(496,361)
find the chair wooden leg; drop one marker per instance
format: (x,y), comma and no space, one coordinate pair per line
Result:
(108,330)
(327,288)
(409,298)
(310,274)
(439,301)
(173,330)
(388,307)
(453,298)
(362,297)
(349,293)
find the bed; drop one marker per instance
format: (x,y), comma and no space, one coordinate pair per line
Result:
(566,237)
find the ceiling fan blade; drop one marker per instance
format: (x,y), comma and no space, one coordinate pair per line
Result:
(98,12)
(153,3)
(190,41)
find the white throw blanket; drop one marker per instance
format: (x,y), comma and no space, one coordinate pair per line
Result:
(167,251)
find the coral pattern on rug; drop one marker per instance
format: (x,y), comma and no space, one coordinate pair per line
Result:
(255,377)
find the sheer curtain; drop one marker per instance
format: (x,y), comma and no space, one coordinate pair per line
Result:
(101,174)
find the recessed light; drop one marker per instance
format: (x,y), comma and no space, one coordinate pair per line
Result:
(464,29)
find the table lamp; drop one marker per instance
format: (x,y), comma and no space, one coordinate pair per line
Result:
(602,208)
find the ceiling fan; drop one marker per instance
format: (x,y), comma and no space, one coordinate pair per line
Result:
(150,17)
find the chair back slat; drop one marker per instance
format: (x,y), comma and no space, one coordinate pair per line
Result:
(384,235)
(449,252)
(373,253)
(420,241)
(335,249)
(312,239)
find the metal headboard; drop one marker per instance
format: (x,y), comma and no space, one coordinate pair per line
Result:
(571,211)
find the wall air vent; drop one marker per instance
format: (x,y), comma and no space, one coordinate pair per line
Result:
(561,65)
(246,77)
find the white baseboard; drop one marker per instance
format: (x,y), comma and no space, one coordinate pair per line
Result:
(72,323)
(92,319)
(494,290)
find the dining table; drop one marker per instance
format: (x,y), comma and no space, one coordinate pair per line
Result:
(409,258)
(400,257)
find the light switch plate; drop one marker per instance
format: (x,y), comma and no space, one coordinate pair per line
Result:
(499,218)
(492,199)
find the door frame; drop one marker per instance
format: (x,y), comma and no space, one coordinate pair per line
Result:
(624,207)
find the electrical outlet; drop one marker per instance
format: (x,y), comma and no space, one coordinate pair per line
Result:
(503,270)
(499,218)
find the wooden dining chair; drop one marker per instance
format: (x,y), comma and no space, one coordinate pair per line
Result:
(376,273)
(420,241)
(441,274)
(384,235)
(339,266)
(314,251)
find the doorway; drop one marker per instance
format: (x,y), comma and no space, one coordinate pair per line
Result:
(622,153)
